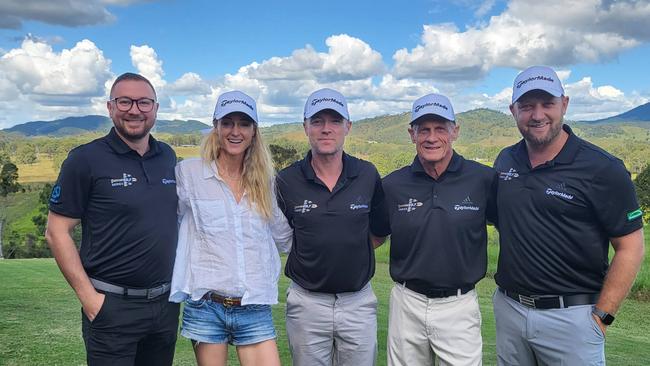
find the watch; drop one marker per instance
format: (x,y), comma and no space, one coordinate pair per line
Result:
(605,317)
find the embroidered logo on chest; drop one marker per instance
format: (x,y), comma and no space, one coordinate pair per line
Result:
(306,206)
(509,175)
(559,191)
(412,205)
(466,204)
(125,181)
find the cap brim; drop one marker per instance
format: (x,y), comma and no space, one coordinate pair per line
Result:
(550,91)
(429,115)
(231,112)
(326,109)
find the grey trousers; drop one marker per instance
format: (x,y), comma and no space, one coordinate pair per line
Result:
(527,336)
(332,329)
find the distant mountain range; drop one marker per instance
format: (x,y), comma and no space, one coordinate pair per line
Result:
(638,114)
(381,127)
(79,125)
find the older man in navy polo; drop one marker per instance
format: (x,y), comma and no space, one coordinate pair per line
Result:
(438,208)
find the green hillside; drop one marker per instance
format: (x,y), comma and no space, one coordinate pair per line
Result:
(384,140)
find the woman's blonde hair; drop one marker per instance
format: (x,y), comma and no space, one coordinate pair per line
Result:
(258,171)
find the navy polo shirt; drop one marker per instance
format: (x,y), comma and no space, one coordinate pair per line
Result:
(127,206)
(331,250)
(555,220)
(439,236)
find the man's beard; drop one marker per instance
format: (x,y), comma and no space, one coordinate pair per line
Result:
(539,141)
(133,137)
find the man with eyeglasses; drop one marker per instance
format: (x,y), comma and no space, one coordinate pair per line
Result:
(122,190)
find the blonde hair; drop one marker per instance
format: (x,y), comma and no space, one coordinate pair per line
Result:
(258,171)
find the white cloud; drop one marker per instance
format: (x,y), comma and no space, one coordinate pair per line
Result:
(348,58)
(145,60)
(188,84)
(38,83)
(35,69)
(555,32)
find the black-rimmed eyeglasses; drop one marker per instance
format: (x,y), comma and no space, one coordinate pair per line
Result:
(124,104)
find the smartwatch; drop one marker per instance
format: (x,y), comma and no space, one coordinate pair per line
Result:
(605,317)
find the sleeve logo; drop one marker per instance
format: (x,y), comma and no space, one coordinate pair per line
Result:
(634,214)
(56,194)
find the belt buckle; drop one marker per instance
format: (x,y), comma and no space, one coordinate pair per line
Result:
(527,301)
(229,302)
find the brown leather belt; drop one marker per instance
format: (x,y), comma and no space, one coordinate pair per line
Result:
(225,301)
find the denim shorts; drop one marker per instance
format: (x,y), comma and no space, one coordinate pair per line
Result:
(209,322)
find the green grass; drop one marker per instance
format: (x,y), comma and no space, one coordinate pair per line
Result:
(17,210)
(40,320)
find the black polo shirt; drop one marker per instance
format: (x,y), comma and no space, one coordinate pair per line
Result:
(555,220)
(127,206)
(331,249)
(439,236)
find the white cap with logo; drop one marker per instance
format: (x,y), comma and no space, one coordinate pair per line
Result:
(326,99)
(537,78)
(433,103)
(235,101)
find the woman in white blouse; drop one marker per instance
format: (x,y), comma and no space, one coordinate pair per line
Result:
(227,262)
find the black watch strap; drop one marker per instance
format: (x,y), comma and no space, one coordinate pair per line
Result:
(605,317)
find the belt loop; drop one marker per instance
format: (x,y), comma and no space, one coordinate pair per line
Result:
(460,292)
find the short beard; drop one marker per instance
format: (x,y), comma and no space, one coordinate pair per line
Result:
(552,134)
(131,136)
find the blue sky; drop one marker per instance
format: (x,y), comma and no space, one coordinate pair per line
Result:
(58,58)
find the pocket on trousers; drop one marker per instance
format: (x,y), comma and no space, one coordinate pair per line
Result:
(596,327)
(194,303)
(102,311)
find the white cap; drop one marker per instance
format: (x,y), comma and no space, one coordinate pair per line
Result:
(326,99)
(433,104)
(235,101)
(537,78)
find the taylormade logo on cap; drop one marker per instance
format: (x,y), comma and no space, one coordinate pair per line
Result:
(235,101)
(537,78)
(417,108)
(326,99)
(436,104)
(333,100)
(226,102)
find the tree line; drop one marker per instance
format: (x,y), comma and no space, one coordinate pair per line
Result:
(387,157)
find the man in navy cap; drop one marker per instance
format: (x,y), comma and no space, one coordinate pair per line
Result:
(561,202)
(437,207)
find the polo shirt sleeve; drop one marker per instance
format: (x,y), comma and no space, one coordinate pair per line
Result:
(72,188)
(614,200)
(379,225)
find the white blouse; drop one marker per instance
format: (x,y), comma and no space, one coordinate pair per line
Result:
(224,246)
